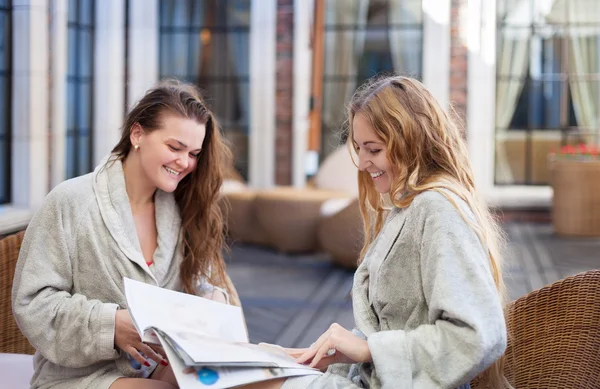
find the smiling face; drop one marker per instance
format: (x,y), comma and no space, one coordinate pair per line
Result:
(169,153)
(372,156)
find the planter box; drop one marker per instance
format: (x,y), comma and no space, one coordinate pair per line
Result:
(576,200)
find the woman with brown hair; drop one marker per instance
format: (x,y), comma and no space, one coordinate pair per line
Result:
(148,212)
(427,294)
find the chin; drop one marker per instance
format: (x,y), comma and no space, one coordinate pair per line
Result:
(167,187)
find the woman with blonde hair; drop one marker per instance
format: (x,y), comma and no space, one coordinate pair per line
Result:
(427,294)
(148,212)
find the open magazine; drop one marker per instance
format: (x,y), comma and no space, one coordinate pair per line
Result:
(205,341)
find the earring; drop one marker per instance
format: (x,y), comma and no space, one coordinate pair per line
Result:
(136,147)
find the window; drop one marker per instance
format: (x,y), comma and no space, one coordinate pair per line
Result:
(547,86)
(5,98)
(80,79)
(362,39)
(206,42)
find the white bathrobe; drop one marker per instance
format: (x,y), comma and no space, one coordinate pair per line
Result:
(69,278)
(425,300)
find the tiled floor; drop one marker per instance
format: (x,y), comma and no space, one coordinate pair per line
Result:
(291,300)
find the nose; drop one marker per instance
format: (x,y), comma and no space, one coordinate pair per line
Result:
(363,161)
(183,161)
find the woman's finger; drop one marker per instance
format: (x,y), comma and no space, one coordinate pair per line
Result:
(137,356)
(307,356)
(150,353)
(159,350)
(322,352)
(295,352)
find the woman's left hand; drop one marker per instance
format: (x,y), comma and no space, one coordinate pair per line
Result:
(337,345)
(218,296)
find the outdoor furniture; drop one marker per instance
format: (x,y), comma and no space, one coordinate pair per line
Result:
(575,200)
(340,231)
(242,222)
(290,216)
(11,339)
(16,361)
(554,336)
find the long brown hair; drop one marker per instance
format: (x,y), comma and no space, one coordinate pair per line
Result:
(428,152)
(197,194)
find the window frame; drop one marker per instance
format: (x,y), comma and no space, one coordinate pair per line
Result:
(8,120)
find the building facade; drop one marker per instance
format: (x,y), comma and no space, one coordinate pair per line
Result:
(523,76)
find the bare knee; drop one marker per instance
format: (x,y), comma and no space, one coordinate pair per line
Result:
(141,383)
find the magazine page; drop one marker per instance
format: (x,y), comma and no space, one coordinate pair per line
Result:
(200,350)
(152,306)
(218,377)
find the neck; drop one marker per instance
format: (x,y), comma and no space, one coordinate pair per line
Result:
(139,190)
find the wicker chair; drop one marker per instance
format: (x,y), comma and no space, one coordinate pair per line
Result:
(554,339)
(11,339)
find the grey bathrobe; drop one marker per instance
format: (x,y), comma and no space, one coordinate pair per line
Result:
(425,299)
(69,278)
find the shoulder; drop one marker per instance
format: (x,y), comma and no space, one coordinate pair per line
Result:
(440,210)
(70,196)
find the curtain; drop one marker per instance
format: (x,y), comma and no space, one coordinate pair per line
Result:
(181,47)
(584,59)
(511,67)
(406,44)
(239,55)
(343,45)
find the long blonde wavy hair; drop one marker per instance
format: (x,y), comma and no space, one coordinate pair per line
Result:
(428,152)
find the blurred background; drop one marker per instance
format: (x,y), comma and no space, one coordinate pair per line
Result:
(522,75)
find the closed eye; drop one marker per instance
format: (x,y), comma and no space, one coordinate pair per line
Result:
(196,155)
(173,148)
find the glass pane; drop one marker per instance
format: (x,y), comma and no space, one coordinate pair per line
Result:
(72,55)
(363,39)
(73,9)
(84,104)
(206,42)
(71,105)
(511,161)
(542,143)
(238,13)
(86,12)
(5,99)
(83,163)
(79,87)
(4,171)
(4,41)
(85,55)
(4,106)
(70,165)
(586,107)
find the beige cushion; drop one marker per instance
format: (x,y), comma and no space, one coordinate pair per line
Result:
(340,231)
(242,223)
(15,370)
(338,173)
(289,216)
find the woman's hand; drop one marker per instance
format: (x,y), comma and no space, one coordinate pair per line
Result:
(218,296)
(337,345)
(128,340)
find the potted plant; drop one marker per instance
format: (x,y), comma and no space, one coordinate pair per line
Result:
(575,179)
